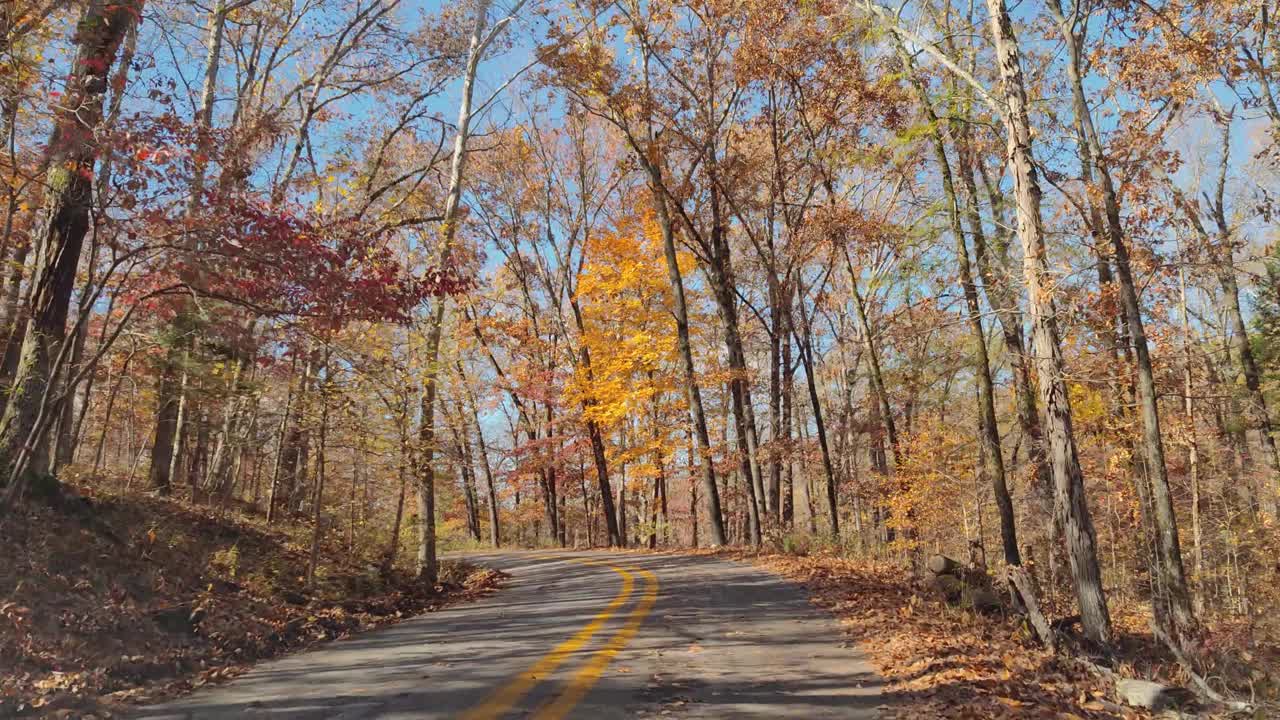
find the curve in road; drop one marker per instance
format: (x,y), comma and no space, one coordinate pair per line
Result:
(589,635)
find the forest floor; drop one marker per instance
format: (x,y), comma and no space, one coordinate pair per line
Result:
(940,661)
(120,599)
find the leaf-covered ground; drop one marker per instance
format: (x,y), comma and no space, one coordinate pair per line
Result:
(96,604)
(946,662)
(942,662)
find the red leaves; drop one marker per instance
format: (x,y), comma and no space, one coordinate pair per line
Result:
(233,245)
(284,263)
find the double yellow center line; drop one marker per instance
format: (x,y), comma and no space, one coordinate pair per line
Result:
(581,682)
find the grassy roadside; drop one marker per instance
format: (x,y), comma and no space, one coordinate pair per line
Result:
(143,598)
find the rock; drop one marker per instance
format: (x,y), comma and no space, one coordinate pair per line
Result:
(942,565)
(1150,695)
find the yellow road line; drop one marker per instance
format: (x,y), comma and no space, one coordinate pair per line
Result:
(589,675)
(508,695)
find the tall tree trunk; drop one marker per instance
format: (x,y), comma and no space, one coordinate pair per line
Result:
(65,442)
(988,429)
(425,472)
(280,441)
(1258,414)
(772,494)
(1224,257)
(786,508)
(495,532)
(15,315)
(13,251)
(720,275)
(547,472)
(1193,448)
(198,470)
(481,37)
(220,475)
(1009,316)
(402,472)
(295,438)
(165,434)
(881,395)
(805,344)
(72,155)
(169,390)
(622,505)
(659,462)
(1168,550)
(1055,403)
(462,441)
(702,439)
(612,516)
(317,517)
(883,411)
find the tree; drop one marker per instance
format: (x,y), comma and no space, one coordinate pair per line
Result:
(71,158)
(1056,405)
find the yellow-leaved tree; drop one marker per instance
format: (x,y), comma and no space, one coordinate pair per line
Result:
(633,378)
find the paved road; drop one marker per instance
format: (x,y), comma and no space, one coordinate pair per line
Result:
(576,635)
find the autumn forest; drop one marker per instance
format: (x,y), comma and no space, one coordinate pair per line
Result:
(994,280)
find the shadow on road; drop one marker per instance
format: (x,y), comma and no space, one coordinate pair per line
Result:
(723,640)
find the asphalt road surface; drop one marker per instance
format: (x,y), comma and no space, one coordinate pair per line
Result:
(588,635)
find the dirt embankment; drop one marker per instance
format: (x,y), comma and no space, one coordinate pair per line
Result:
(117,600)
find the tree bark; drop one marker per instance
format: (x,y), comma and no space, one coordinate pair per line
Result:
(495,532)
(71,155)
(402,472)
(1193,446)
(598,457)
(702,439)
(480,39)
(1168,550)
(317,517)
(988,429)
(295,439)
(622,503)
(1009,317)
(720,274)
(1054,400)
(787,491)
(805,344)
(772,495)
(64,446)
(462,442)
